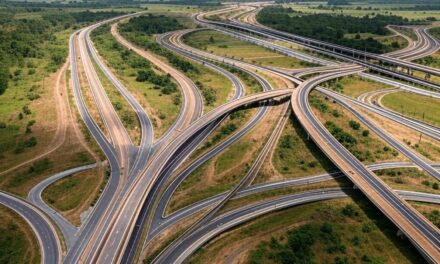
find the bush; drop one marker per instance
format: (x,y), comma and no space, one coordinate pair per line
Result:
(127,119)
(367,227)
(209,96)
(33,96)
(117,106)
(31,142)
(228,129)
(318,104)
(26,110)
(287,141)
(38,167)
(342,136)
(336,113)
(426,183)
(4,78)
(350,211)
(2,125)
(435,186)
(354,125)
(365,133)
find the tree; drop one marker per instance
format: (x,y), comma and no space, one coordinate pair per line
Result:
(4,78)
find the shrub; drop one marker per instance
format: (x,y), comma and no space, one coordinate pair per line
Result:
(354,125)
(31,71)
(228,129)
(435,186)
(350,211)
(127,119)
(342,136)
(117,106)
(426,183)
(31,142)
(33,96)
(367,227)
(366,133)
(287,141)
(209,96)
(26,110)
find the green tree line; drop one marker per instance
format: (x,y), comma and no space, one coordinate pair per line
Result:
(25,38)
(332,28)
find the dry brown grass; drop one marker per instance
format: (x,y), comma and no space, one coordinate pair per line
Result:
(426,147)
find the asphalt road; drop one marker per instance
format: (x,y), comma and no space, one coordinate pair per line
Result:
(167,221)
(331,50)
(34,196)
(422,233)
(44,230)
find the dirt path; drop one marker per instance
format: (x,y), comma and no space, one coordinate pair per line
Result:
(60,97)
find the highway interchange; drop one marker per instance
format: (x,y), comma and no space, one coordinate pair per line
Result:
(130,212)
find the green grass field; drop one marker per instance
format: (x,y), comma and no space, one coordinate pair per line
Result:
(74,194)
(413,105)
(358,230)
(215,88)
(225,45)
(355,85)
(295,155)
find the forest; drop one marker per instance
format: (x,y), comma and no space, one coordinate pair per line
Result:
(332,28)
(23,38)
(140,29)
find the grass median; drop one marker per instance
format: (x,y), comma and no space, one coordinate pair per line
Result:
(74,194)
(420,107)
(228,46)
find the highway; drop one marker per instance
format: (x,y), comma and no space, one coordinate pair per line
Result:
(131,208)
(192,101)
(145,148)
(422,234)
(35,197)
(108,150)
(331,50)
(236,217)
(43,228)
(428,43)
(141,187)
(170,220)
(163,177)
